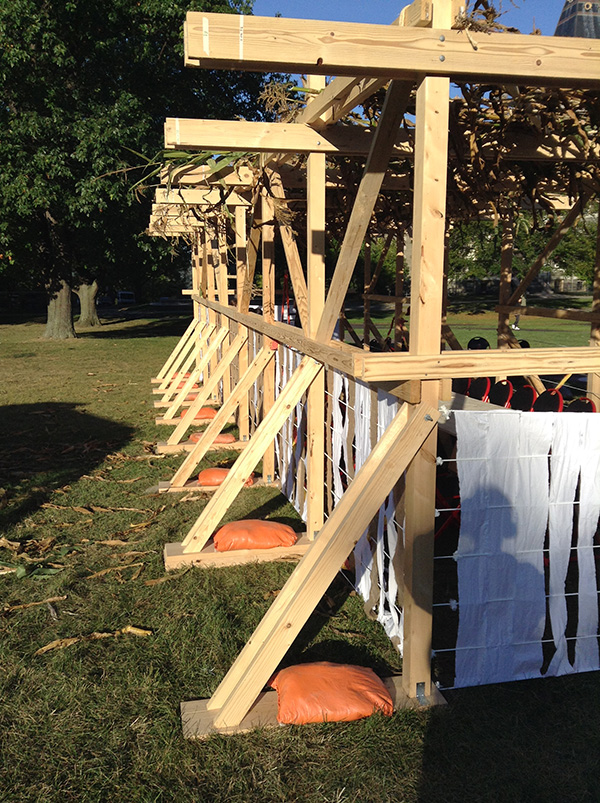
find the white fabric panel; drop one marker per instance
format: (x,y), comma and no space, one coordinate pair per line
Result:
(363,558)
(564,478)
(586,646)
(387,614)
(504,511)
(339,431)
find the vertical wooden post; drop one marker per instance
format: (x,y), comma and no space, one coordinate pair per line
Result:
(268,302)
(224,299)
(506,259)
(399,329)
(593,380)
(366,302)
(241,261)
(315,262)
(429,224)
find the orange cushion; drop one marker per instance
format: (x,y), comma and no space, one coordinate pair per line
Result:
(224,437)
(253,534)
(326,692)
(215,476)
(203,414)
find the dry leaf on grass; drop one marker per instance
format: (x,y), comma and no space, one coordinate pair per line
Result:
(126,482)
(61,643)
(166,578)
(120,568)
(22,606)
(14,546)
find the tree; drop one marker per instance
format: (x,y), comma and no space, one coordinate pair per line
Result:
(84,86)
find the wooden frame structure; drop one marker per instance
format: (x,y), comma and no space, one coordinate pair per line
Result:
(421,52)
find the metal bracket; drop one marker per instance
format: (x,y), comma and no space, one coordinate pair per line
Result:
(421,694)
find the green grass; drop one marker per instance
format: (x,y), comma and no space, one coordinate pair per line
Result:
(99,720)
(469,319)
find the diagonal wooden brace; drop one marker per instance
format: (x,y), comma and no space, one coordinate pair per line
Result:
(260,441)
(309,581)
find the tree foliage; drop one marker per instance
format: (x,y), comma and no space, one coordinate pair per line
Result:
(85,86)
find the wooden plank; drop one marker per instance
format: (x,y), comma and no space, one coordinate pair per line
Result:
(254,370)
(543,312)
(193,175)
(198,720)
(257,137)
(207,356)
(335,354)
(427,284)
(241,255)
(568,220)
(315,262)
(197,333)
(290,248)
(176,558)
(170,385)
(268,309)
(593,379)
(167,368)
(162,447)
(225,41)
(208,388)
(251,256)
(391,116)
(262,438)
(377,368)
(340,356)
(309,581)
(209,196)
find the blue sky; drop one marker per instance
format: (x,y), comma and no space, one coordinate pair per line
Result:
(521,13)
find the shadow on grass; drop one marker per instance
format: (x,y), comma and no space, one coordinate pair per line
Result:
(160,327)
(45,446)
(529,741)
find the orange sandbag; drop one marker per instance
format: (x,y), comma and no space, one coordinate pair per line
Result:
(253,534)
(215,476)
(326,692)
(223,437)
(203,414)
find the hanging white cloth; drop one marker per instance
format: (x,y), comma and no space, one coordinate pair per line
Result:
(503,475)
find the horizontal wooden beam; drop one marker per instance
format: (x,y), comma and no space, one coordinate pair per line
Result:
(235,135)
(454,364)
(561,314)
(205,196)
(336,48)
(335,354)
(192,175)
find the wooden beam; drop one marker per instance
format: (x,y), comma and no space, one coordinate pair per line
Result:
(545,312)
(290,247)
(315,269)
(260,441)
(309,581)
(426,311)
(593,379)
(208,387)
(227,41)
(168,366)
(241,260)
(257,137)
(204,196)
(377,368)
(230,405)
(553,242)
(391,116)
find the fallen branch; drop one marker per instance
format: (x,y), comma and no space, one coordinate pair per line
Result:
(22,606)
(61,643)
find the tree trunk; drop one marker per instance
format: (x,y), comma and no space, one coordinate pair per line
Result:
(88,315)
(60,315)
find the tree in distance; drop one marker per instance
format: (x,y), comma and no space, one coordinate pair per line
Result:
(84,87)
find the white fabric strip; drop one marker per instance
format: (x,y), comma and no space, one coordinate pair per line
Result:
(504,510)
(363,557)
(586,649)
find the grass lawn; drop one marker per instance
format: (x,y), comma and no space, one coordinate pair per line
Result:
(99,719)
